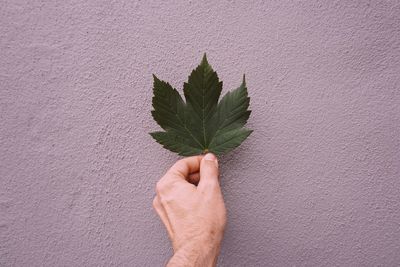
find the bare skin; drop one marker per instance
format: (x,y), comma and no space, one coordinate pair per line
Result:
(190,204)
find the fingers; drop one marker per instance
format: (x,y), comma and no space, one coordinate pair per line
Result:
(163,215)
(194,178)
(193,170)
(184,167)
(180,172)
(208,172)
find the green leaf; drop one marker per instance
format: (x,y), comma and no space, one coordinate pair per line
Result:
(202,124)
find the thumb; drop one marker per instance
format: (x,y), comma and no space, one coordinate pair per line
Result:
(209,171)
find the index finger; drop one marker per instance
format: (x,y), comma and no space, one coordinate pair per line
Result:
(183,168)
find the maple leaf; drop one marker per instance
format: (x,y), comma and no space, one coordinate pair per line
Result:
(201,124)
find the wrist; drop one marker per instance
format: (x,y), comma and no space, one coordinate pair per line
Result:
(196,254)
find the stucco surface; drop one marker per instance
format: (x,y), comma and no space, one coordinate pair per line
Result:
(316,184)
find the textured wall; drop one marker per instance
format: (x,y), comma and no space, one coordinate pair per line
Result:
(316,184)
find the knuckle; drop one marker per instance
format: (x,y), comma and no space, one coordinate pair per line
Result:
(176,167)
(166,200)
(160,187)
(155,203)
(180,163)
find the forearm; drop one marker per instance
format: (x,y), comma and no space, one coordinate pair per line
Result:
(195,256)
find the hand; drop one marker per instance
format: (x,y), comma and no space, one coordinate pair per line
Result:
(194,216)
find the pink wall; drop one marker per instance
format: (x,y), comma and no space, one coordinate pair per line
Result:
(316,184)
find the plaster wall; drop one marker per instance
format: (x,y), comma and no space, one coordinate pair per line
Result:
(316,184)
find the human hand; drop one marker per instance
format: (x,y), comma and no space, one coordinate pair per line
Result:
(194,216)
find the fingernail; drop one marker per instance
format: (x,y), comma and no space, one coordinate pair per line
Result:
(211,157)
